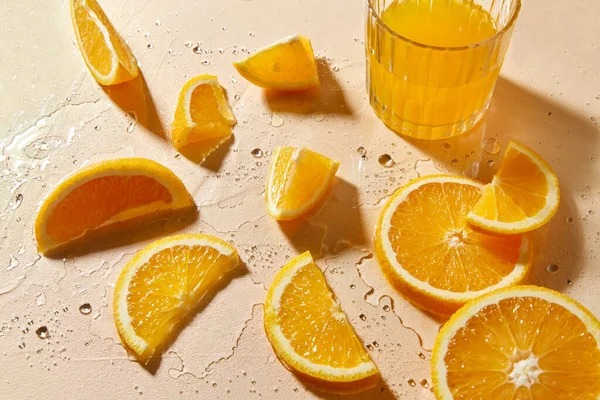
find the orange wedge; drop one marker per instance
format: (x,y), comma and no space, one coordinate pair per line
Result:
(310,333)
(163,283)
(203,116)
(430,254)
(298,179)
(106,55)
(523,195)
(522,342)
(110,194)
(288,64)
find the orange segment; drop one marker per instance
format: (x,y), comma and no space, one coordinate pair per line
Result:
(163,283)
(288,64)
(298,179)
(105,53)
(523,196)
(309,331)
(203,115)
(522,342)
(431,255)
(123,192)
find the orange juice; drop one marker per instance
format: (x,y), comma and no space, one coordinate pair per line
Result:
(432,64)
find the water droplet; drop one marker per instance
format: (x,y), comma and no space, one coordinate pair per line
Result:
(237,97)
(150,46)
(147,34)
(251,34)
(353,286)
(14,319)
(85,308)
(319,117)
(214,384)
(253,382)
(235,51)
(196,49)
(30,322)
(132,122)
(591,212)
(256,152)
(570,220)
(188,44)
(424,383)
(224,28)
(97,127)
(422,356)
(362,317)
(18,201)
(386,308)
(491,146)
(205,62)
(178,156)
(157,22)
(336,69)
(552,268)
(362,151)
(386,160)
(412,383)
(446,146)
(42,332)
(220,50)
(25,329)
(276,120)
(22,345)
(490,163)
(569,282)
(375,344)
(454,161)
(268,152)
(369,347)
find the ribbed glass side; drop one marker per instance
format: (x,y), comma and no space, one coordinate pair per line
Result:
(432,92)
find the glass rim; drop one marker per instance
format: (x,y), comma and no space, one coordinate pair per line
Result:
(492,38)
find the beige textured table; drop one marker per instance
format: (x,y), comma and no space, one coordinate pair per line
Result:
(54,118)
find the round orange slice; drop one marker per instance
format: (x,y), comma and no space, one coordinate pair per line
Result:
(163,283)
(522,342)
(432,257)
(288,64)
(106,55)
(310,333)
(104,196)
(523,195)
(298,179)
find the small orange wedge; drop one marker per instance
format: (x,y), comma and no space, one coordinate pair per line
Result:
(109,194)
(288,64)
(106,55)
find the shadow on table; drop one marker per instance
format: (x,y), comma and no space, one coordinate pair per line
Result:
(202,153)
(380,392)
(328,98)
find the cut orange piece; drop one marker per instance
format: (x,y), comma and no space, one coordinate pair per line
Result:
(110,194)
(522,342)
(203,116)
(106,55)
(288,64)
(430,254)
(523,195)
(163,283)
(310,333)
(298,179)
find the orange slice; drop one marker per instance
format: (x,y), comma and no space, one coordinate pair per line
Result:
(310,333)
(523,195)
(522,342)
(163,283)
(202,116)
(110,194)
(106,55)
(288,64)
(298,179)
(430,254)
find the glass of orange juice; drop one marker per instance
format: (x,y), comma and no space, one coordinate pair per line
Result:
(432,64)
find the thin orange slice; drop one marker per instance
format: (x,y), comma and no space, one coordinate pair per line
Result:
(163,283)
(522,342)
(109,194)
(106,55)
(298,179)
(311,334)
(523,195)
(203,116)
(430,254)
(288,64)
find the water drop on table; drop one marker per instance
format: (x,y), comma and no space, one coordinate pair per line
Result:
(446,146)
(362,151)
(454,161)
(251,34)
(362,317)
(353,286)
(491,146)
(196,49)
(386,160)
(490,163)
(22,345)
(412,382)
(422,356)
(424,383)
(157,22)
(85,308)
(18,201)
(205,62)
(42,332)
(237,97)
(97,127)
(386,308)
(570,220)
(276,120)
(319,117)
(188,44)
(256,152)
(552,268)
(150,46)
(336,69)
(220,50)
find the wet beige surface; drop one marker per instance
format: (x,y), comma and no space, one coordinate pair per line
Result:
(54,118)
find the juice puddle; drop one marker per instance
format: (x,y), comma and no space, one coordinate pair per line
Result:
(433,92)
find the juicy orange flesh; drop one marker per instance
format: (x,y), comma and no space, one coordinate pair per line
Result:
(286,63)
(95,202)
(312,320)
(481,355)
(165,288)
(93,40)
(432,241)
(519,190)
(206,114)
(294,182)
